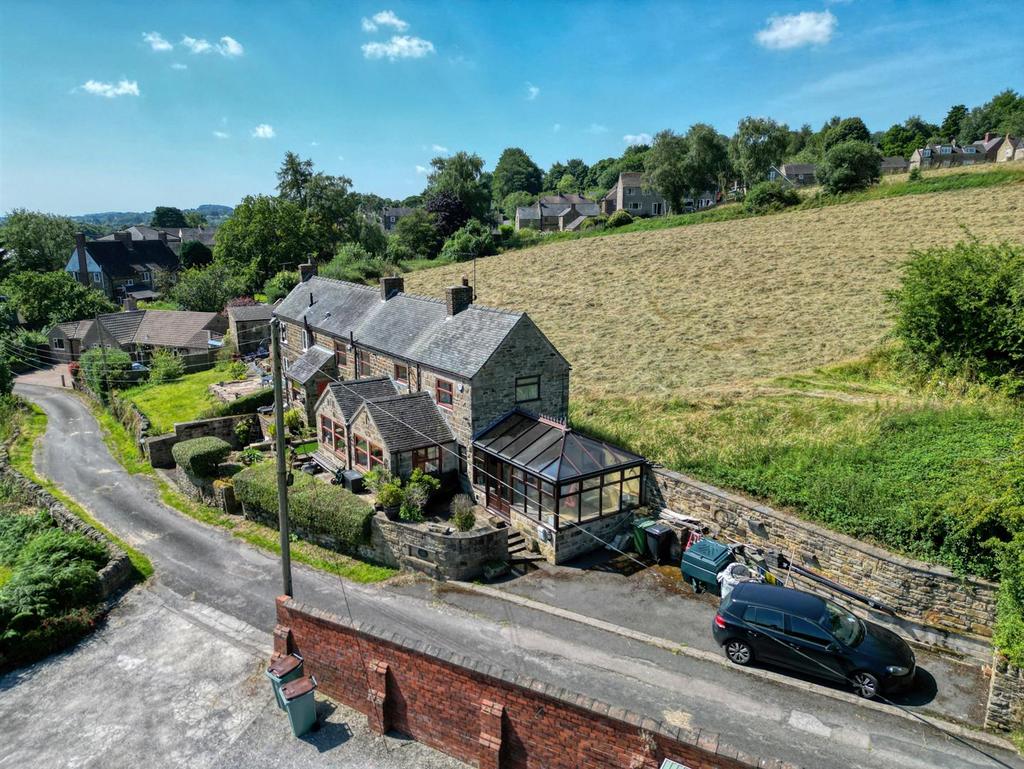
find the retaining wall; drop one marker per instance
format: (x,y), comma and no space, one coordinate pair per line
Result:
(1005,711)
(207,491)
(479,713)
(422,547)
(158,448)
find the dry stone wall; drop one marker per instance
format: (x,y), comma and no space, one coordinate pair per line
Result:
(158,448)
(1005,712)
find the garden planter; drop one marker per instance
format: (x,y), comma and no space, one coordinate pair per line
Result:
(392,513)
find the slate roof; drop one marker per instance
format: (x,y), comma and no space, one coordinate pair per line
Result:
(893,161)
(118,260)
(141,232)
(413,328)
(398,211)
(75,329)
(350,395)
(306,366)
(251,312)
(408,422)
(159,328)
(795,169)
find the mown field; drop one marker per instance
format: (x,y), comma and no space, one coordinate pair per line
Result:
(746,353)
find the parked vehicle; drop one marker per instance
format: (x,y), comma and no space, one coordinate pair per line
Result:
(809,634)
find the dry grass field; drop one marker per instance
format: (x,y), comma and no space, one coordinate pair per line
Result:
(674,312)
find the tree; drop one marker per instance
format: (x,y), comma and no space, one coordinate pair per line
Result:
(579,172)
(758,144)
(415,237)
(6,378)
(903,139)
(293,178)
(515,172)
(707,159)
(165,366)
(471,241)
(848,129)
(168,216)
(371,236)
(46,298)
(195,254)
(953,122)
(798,139)
(263,236)
(195,219)
(567,184)
(280,285)
(666,168)
(105,368)
(554,175)
(206,289)
(38,241)
(852,165)
(329,207)
(461,175)
(1003,114)
(449,212)
(513,200)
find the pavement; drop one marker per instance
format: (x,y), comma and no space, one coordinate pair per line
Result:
(212,571)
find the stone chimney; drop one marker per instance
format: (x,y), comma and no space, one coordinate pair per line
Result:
(458,298)
(989,136)
(130,304)
(83,263)
(306,271)
(123,237)
(391,286)
(161,235)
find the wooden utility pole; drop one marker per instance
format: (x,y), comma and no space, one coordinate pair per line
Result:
(281,448)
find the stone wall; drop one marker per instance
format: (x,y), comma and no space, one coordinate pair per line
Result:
(481,713)
(923,593)
(1005,711)
(570,541)
(158,448)
(426,548)
(208,491)
(118,570)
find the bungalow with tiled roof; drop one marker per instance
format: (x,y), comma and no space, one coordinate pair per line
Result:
(554,213)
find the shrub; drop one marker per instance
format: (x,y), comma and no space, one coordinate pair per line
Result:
(280,285)
(849,166)
(6,378)
(413,502)
(16,530)
(165,366)
(390,493)
(470,241)
(594,223)
(915,175)
(250,457)
(247,404)
(463,515)
(316,509)
(374,479)
(293,421)
(1009,630)
(201,456)
(104,369)
(54,547)
(619,219)
(244,429)
(770,196)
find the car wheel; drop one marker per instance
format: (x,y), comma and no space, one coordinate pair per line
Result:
(739,652)
(865,684)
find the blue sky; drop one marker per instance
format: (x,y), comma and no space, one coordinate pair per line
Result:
(124,106)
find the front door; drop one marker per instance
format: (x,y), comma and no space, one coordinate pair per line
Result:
(499,486)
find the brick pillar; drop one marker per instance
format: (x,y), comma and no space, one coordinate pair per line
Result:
(491,716)
(378,696)
(284,643)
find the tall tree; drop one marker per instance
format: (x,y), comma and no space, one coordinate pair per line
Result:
(45,298)
(553,176)
(449,212)
(195,254)
(415,237)
(515,172)
(38,241)
(1002,114)
(462,175)
(707,159)
(757,145)
(954,120)
(168,216)
(579,170)
(851,129)
(567,184)
(903,139)
(293,178)
(666,168)
(206,289)
(263,236)
(195,219)
(330,209)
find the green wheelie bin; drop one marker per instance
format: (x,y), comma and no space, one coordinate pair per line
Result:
(640,526)
(281,671)
(300,704)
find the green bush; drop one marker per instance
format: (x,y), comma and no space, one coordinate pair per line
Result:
(1009,630)
(619,219)
(104,370)
(915,175)
(593,223)
(390,493)
(849,166)
(293,421)
(279,286)
(55,546)
(247,404)
(317,509)
(463,517)
(418,490)
(472,240)
(165,366)
(244,429)
(770,196)
(201,457)
(16,530)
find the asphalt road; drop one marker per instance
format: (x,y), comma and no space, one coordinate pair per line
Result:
(207,566)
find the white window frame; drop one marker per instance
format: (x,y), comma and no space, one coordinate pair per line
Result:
(657,209)
(96,277)
(58,344)
(129,281)
(945,150)
(634,205)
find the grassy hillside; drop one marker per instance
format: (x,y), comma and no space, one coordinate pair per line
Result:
(745,352)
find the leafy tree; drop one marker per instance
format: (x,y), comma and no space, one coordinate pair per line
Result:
(1003,114)
(195,219)
(798,139)
(513,200)
(165,366)
(567,184)
(471,241)
(280,285)
(39,241)
(463,176)
(707,159)
(449,212)
(371,205)
(263,236)
(45,298)
(168,216)
(848,129)
(579,171)
(852,165)
(293,178)
(330,208)
(338,268)
(415,237)
(206,289)
(953,122)
(6,378)
(764,197)
(371,236)
(667,168)
(105,368)
(554,175)
(903,139)
(515,172)
(757,145)
(195,254)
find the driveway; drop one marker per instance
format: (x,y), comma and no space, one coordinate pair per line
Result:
(51,376)
(214,572)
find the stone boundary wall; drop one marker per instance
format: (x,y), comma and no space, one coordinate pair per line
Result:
(128,414)
(207,491)
(118,570)
(158,447)
(923,593)
(459,555)
(1005,710)
(479,713)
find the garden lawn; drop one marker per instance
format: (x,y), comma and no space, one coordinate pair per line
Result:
(180,401)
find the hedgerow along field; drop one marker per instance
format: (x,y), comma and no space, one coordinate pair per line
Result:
(746,353)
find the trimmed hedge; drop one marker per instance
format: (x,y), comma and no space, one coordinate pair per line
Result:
(247,404)
(200,456)
(317,511)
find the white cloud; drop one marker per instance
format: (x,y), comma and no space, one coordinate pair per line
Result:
(439,148)
(178,65)
(230,47)
(196,46)
(597,128)
(156,41)
(798,29)
(532,91)
(341,157)
(314,144)
(384,19)
(640,138)
(556,127)
(111,90)
(222,135)
(263,131)
(399,47)
(227,46)
(422,170)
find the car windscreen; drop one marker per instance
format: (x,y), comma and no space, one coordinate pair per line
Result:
(845,627)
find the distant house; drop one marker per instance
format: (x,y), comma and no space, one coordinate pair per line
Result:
(796,174)
(250,327)
(989,146)
(949,155)
(631,193)
(121,267)
(173,236)
(196,336)
(555,213)
(1009,148)
(894,165)
(392,215)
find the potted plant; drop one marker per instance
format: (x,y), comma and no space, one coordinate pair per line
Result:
(391,496)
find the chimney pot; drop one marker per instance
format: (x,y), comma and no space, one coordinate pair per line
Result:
(123,237)
(306,271)
(83,264)
(458,298)
(389,286)
(161,235)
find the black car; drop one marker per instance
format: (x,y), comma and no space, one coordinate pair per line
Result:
(807,633)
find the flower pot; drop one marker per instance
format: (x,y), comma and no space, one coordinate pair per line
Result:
(392,513)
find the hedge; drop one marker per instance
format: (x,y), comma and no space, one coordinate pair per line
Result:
(317,511)
(201,456)
(247,404)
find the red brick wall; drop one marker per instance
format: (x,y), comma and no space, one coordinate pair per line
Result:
(481,714)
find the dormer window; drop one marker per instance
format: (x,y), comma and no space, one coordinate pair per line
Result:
(945,150)
(926,153)
(970,150)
